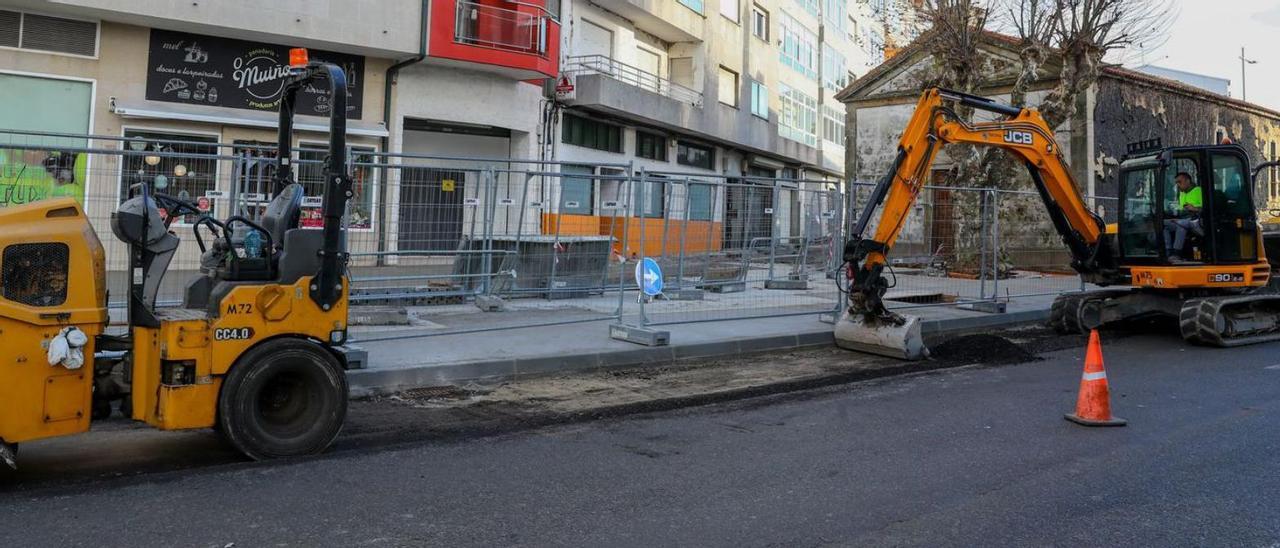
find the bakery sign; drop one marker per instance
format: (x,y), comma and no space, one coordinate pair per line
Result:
(195,69)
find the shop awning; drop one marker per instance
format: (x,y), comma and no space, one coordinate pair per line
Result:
(243,118)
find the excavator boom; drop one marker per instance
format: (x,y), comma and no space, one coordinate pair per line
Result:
(867,324)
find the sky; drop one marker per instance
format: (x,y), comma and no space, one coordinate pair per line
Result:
(1206,38)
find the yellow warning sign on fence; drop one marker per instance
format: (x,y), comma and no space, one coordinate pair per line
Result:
(446,185)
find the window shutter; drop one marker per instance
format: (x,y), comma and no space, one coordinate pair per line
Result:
(61,35)
(10,23)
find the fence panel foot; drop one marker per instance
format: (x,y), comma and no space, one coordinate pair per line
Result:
(991,307)
(787,284)
(731,287)
(490,303)
(640,335)
(684,295)
(378,315)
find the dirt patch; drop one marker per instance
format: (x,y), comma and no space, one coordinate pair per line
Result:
(436,396)
(473,409)
(981,349)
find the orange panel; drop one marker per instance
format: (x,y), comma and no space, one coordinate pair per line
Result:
(1188,276)
(694,236)
(570,225)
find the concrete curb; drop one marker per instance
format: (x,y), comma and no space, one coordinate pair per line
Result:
(368,382)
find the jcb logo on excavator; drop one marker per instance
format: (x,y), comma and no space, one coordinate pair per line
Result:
(1019,137)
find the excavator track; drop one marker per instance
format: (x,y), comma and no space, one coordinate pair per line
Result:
(1217,320)
(1074,312)
(1064,314)
(1231,320)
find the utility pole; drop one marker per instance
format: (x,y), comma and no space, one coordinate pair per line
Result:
(1243,83)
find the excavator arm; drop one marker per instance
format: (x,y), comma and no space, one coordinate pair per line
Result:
(935,124)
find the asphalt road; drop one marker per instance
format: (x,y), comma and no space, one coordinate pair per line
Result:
(962,457)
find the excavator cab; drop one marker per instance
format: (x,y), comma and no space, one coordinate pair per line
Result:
(1225,229)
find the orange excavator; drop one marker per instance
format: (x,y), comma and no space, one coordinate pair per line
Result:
(1218,293)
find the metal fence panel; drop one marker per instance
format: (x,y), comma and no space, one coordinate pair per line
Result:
(558,242)
(769,251)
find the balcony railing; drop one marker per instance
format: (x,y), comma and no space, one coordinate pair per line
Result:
(622,72)
(501,28)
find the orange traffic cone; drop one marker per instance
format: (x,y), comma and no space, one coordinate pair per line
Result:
(1094,406)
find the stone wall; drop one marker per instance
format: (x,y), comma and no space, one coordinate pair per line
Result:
(1130,110)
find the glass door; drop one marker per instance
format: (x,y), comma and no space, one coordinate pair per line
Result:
(1139,220)
(1235,233)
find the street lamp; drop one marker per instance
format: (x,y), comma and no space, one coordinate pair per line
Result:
(1243,83)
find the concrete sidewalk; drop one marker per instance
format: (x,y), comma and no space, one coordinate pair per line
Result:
(415,361)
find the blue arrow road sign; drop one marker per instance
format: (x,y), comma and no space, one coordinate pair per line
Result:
(649,277)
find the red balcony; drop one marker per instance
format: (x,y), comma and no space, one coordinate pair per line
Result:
(518,39)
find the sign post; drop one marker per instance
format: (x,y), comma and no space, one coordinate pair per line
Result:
(565,89)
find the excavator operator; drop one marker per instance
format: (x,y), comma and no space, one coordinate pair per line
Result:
(1185,219)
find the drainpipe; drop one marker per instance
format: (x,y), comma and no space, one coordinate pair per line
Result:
(387,82)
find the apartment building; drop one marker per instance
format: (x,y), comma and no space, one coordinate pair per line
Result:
(473,101)
(725,89)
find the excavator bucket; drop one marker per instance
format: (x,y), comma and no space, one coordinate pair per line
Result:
(881,336)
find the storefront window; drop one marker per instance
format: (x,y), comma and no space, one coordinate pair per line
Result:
(652,195)
(310,175)
(700,199)
(41,170)
(185,167)
(256,172)
(576,189)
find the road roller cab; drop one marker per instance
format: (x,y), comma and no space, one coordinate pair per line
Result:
(257,349)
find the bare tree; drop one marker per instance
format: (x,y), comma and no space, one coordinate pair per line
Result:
(1034,23)
(1075,35)
(1087,32)
(956,30)
(1066,41)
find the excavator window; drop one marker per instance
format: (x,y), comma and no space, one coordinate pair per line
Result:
(1138,226)
(1184,164)
(1187,162)
(1232,213)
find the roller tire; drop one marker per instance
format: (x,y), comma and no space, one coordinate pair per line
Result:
(283,398)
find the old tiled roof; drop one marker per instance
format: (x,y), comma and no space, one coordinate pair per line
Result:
(1004,40)
(1130,75)
(906,53)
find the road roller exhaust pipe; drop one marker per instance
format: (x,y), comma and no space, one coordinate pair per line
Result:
(893,335)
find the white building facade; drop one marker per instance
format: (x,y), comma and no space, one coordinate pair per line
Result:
(726,89)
